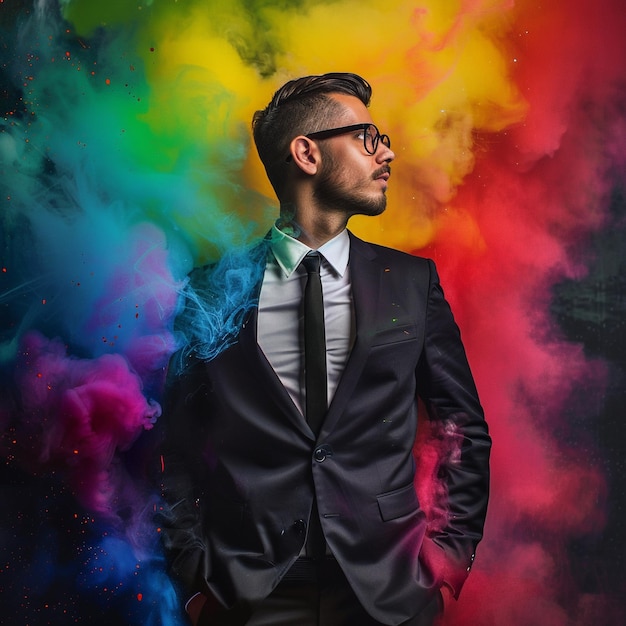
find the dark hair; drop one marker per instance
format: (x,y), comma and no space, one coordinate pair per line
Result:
(300,107)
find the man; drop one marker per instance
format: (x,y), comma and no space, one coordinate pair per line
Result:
(292,503)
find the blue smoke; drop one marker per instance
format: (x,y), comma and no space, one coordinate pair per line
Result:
(217,300)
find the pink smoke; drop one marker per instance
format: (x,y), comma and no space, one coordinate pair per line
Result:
(137,307)
(75,415)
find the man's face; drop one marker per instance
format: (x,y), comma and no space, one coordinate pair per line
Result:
(350,180)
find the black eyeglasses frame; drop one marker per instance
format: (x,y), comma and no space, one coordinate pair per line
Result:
(341,130)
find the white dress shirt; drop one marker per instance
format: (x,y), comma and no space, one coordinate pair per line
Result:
(279,330)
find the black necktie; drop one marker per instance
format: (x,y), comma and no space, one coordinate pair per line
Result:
(314,344)
(315,378)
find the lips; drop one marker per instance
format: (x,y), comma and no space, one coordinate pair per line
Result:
(382,174)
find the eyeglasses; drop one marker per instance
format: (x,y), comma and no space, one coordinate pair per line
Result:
(371,136)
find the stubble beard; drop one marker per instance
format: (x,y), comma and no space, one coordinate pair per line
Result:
(335,195)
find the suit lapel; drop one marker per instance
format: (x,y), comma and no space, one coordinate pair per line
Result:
(365,277)
(267,377)
(254,356)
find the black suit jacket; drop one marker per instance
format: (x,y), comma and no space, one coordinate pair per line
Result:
(241,470)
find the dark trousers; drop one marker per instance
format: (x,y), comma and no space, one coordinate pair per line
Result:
(321,599)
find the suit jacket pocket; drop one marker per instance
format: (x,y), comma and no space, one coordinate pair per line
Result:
(398,503)
(395,334)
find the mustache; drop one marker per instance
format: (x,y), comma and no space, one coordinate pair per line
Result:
(385,169)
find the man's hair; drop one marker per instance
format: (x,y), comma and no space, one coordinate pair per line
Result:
(300,107)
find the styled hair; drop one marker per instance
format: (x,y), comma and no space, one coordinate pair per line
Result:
(300,107)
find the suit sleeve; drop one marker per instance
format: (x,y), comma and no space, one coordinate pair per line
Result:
(181,479)
(459,441)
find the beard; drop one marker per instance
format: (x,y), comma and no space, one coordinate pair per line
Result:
(336,193)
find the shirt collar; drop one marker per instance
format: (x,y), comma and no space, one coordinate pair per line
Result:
(289,252)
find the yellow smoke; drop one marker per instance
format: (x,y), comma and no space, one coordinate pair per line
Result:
(440,70)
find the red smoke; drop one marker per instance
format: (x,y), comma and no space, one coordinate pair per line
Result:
(537,192)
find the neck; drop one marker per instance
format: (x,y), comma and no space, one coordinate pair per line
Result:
(312,228)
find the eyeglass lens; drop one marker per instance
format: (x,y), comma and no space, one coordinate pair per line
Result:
(371,137)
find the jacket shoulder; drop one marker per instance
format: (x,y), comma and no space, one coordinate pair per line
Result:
(386,255)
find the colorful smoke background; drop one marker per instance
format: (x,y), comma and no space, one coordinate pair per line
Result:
(125,160)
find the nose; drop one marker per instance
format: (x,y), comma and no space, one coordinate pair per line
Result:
(384,154)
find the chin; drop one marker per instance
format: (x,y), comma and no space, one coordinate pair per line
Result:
(375,212)
(374,208)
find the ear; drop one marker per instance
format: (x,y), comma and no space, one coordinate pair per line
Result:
(305,154)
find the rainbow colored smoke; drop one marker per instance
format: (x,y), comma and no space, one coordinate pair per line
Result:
(125,160)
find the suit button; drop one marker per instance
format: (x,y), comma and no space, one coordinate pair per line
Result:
(299,526)
(322,452)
